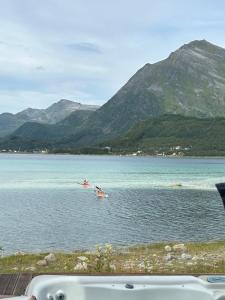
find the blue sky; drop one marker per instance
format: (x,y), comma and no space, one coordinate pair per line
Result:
(85,50)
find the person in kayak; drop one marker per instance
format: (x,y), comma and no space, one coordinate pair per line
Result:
(85,182)
(99,192)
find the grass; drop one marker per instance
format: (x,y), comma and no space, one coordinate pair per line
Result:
(204,258)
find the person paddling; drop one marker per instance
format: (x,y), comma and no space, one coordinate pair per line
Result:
(85,182)
(99,192)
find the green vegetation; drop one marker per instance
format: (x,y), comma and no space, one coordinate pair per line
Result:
(87,150)
(206,257)
(168,135)
(175,134)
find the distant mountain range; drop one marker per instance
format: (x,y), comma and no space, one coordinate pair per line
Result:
(51,115)
(189,83)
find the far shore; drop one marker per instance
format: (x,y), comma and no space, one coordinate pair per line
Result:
(160,258)
(115,154)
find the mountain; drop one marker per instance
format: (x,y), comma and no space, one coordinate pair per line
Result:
(52,132)
(9,123)
(190,82)
(51,115)
(174,133)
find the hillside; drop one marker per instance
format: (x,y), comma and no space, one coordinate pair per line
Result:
(9,123)
(190,135)
(33,135)
(166,134)
(51,115)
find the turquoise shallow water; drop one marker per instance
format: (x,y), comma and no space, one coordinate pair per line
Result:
(43,208)
(63,171)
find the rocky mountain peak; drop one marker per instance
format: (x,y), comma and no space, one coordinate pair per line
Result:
(66,101)
(198,47)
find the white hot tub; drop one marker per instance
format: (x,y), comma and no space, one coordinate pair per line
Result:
(57,287)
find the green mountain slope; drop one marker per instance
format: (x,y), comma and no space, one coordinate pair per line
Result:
(9,123)
(165,134)
(190,135)
(36,135)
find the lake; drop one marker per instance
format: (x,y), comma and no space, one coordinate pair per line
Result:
(150,199)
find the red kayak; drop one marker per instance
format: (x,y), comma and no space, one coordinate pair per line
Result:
(100,194)
(85,184)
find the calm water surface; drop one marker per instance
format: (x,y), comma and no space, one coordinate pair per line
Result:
(43,208)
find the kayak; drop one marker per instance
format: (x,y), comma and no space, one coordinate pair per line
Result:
(85,184)
(100,194)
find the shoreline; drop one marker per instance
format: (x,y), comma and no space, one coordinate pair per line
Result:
(168,258)
(115,155)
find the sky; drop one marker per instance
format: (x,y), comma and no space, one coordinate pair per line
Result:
(86,50)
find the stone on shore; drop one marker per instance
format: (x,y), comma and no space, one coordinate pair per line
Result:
(168,248)
(112,267)
(186,256)
(179,247)
(195,258)
(50,257)
(82,258)
(32,269)
(169,257)
(42,263)
(18,253)
(81,266)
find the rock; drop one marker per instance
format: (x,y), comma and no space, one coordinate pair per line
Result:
(168,248)
(145,266)
(42,263)
(150,268)
(169,257)
(112,267)
(141,265)
(82,258)
(179,247)
(195,258)
(186,256)
(18,253)
(50,257)
(81,266)
(32,269)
